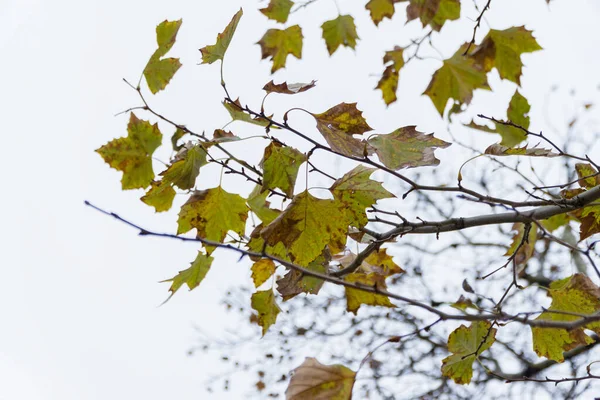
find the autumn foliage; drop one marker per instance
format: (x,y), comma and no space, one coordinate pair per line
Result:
(343,239)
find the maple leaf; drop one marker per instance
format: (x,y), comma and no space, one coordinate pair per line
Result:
(576,294)
(280,165)
(277,44)
(315,381)
(158,71)
(264,303)
(257,201)
(517,113)
(456,79)
(306,226)
(338,124)
(238,114)
(380,9)
(586,173)
(503,49)
(278,10)
(262,270)
(295,282)
(215,52)
(388,84)
(406,148)
(191,276)
(499,150)
(467,344)
(590,221)
(186,167)
(213,212)
(160,196)
(288,88)
(339,32)
(357,192)
(179,133)
(356,297)
(433,12)
(133,154)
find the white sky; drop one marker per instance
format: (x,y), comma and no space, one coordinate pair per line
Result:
(79,292)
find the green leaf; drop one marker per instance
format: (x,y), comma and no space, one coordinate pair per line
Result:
(262,270)
(576,294)
(357,192)
(315,381)
(160,196)
(356,297)
(406,148)
(467,344)
(288,88)
(277,44)
(264,303)
(517,113)
(179,133)
(388,84)
(280,165)
(503,50)
(295,282)
(191,276)
(380,9)
(133,154)
(186,167)
(555,222)
(158,71)
(338,124)
(339,32)
(306,226)
(215,52)
(456,79)
(257,201)
(213,212)
(433,12)
(237,114)
(278,10)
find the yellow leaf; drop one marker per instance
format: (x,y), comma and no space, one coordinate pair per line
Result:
(278,10)
(356,297)
(467,344)
(277,44)
(262,270)
(339,32)
(215,52)
(193,275)
(158,71)
(264,303)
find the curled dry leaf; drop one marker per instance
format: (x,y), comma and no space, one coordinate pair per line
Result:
(315,381)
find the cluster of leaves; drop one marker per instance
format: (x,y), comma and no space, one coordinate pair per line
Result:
(309,236)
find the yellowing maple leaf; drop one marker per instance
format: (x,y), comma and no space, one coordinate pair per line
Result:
(338,124)
(576,294)
(295,282)
(306,226)
(339,32)
(388,84)
(213,212)
(257,201)
(280,165)
(407,148)
(158,71)
(193,275)
(356,297)
(133,154)
(262,270)
(357,192)
(277,44)
(278,10)
(380,9)
(264,303)
(467,344)
(160,196)
(215,52)
(503,49)
(315,381)
(433,12)
(456,79)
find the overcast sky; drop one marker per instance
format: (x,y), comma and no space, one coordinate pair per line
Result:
(80,299)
